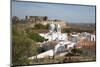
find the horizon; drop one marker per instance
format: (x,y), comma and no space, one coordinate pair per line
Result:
(66,12)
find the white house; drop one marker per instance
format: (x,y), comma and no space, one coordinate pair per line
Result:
(49,53)
(58,49)
(54,34)
(93,37)
(88,36)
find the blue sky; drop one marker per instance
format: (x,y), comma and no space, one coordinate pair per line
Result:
(68,13)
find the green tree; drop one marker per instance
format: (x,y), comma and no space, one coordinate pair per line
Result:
(45,18)
(36,37)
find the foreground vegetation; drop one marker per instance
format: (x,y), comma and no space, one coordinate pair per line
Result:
(76,55)
(24,45)
(64,59)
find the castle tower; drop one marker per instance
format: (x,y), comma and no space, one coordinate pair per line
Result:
(52,27)
(58,28)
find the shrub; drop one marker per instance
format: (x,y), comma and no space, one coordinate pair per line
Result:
(15,19)
(36,37)
(41,26)
(77,51)
(22,47)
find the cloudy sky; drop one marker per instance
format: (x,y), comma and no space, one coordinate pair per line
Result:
(66,12)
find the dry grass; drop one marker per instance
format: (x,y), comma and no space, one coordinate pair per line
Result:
(64,59)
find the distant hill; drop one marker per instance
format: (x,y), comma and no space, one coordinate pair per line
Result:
(82,25)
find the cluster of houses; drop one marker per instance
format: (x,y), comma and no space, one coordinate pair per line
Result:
(63,43)
(55,33)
